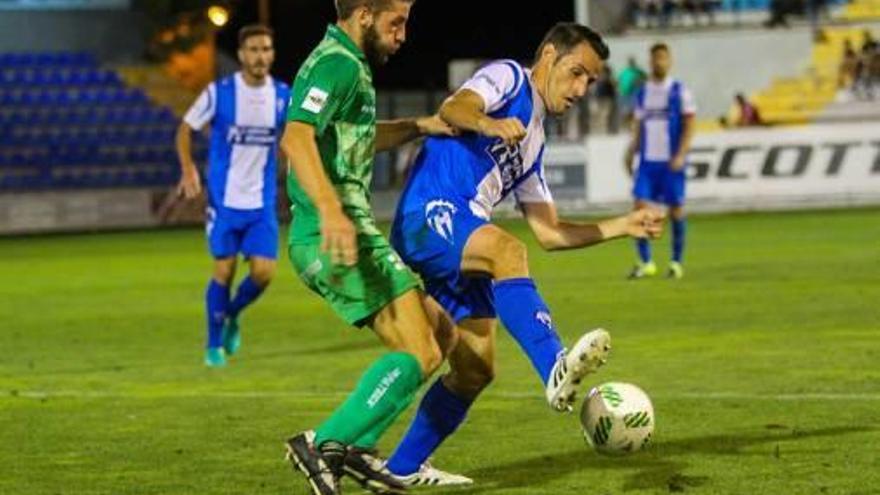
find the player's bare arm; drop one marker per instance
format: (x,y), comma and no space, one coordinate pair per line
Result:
(190,185)
(687,136)
(393,133)
(465,110)
(554,234)
(337,231)
(634,146)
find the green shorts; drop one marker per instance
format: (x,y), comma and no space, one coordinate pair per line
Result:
(357,292)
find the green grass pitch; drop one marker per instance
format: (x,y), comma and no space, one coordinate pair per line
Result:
(763,364)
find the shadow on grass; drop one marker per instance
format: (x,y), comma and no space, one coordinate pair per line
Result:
(654,469)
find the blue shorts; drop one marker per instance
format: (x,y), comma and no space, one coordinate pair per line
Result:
(249,232)
(655,182)
(431,240)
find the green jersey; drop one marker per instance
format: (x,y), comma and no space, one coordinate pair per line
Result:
(333,91)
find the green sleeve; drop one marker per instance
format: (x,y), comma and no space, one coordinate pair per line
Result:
(320,90)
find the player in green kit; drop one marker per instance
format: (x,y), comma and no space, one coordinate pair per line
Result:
(338,251)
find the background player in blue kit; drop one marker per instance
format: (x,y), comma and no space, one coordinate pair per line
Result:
(245,112)
(663,127)
(479,272)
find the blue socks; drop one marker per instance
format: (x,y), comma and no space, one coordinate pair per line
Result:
(217,302)
(527,319)
(248,292)
(440,414)
(644,248)
(679,229)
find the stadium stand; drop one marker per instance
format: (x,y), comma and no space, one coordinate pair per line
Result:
(803,98)
(68,123)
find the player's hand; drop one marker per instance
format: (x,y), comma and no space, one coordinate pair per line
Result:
(190,185)
(646,223)
(510,130)
(435,126)
(678,163)
(338,237)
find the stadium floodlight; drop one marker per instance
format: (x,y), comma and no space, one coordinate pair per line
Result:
(218,15)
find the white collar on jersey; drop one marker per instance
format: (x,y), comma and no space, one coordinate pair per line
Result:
(538,108)
(239,81)
(665,83)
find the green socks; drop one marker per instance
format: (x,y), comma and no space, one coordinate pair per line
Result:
(385,390)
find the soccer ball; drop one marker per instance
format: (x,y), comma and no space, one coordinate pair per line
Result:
(617,418)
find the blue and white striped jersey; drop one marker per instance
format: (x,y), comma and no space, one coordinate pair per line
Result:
(479,171)
(245,127)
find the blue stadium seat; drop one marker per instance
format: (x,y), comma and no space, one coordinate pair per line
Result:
(75,124)
(38,78)
(74,77)
(65,58)
(25,60)
(83,59)
(56,77)
(45,59)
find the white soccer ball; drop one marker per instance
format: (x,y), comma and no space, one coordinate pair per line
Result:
(617,418)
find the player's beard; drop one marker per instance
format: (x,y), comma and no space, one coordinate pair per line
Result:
(373,48)
(257,71)
(659,74)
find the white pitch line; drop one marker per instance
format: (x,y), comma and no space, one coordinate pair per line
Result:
(257,394)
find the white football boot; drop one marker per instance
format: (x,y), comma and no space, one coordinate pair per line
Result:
(428,475)
(585,357)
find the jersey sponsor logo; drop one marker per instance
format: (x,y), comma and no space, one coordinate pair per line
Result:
(315,100)
(509,160)
(251,135)
(657,114)
(438,214)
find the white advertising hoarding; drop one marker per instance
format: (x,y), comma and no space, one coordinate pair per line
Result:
(829,165)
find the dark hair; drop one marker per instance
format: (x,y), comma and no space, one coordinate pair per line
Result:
(253,30)
(656,47)
(345,8)
(565,36)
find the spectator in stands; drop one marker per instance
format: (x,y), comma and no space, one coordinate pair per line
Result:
(748,114)
(869,45)
(779,11)
(850,67)
(699,8)
(629,81)
(603,103)
(869,74)
(657,13)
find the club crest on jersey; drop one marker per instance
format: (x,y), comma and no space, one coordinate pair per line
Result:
(315,100)
(438,214)
(544,318)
